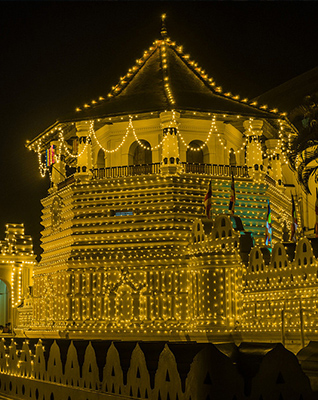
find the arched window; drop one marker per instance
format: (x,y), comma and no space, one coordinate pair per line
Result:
(195,156)
(232,158)
(304,248)
(139,155)
(100,159)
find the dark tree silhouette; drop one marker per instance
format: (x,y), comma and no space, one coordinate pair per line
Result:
(303,155)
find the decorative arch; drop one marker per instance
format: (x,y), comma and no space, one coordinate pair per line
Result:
(198,235)
(90,372)
(197,156)
(279,256)
(304,253)
(54,365)
(167,379)
(139,155)
(223,228)
(112,373)
(72,369)
(256,260)
(100,161)
(138,378)
(232,158)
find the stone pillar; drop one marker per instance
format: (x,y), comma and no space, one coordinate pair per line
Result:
(58,168)
(274,155)
(253,149)
(84,159)
(170,160)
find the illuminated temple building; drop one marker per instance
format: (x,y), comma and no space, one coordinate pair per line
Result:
(130,255)
(127,246)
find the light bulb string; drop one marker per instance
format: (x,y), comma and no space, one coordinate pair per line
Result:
(42,166)
(67,150)
(212,129)
(129,127)
(173,123)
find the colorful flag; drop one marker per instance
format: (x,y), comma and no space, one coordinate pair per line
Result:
(316,211)
(268,229)
(294,224)
(208,201)
(232,199)
(50,155)
(75,146)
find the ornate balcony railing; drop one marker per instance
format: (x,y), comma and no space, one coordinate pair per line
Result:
(216,169)
(147,169)
(126,170)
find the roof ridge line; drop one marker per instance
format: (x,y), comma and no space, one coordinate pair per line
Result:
(165,74)
(132,72)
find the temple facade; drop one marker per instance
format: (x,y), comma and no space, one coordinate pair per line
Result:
(128,248)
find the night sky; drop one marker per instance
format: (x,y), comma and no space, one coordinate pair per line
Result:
(57,56)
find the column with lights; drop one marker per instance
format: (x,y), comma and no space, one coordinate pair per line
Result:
(274,152)
(58,167)
(170,160)
(253,131)
(84,158)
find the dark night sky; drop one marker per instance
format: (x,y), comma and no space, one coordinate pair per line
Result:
(57,56)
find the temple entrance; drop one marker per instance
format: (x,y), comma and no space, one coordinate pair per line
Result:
(139,155)
(140,158)
(232,158)
(4,303)
(196,158)
(101,159)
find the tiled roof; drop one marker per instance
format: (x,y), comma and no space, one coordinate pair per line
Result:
(165,79)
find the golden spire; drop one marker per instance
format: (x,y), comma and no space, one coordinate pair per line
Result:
(164,32)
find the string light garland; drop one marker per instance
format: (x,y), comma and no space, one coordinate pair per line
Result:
(93,134)
(144,221)
(62,144)
(161,46)
(212,129)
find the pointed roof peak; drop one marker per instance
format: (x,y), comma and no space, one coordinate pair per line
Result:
(164,33)
(166,78)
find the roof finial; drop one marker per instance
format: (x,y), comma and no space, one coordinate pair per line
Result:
(164,32)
